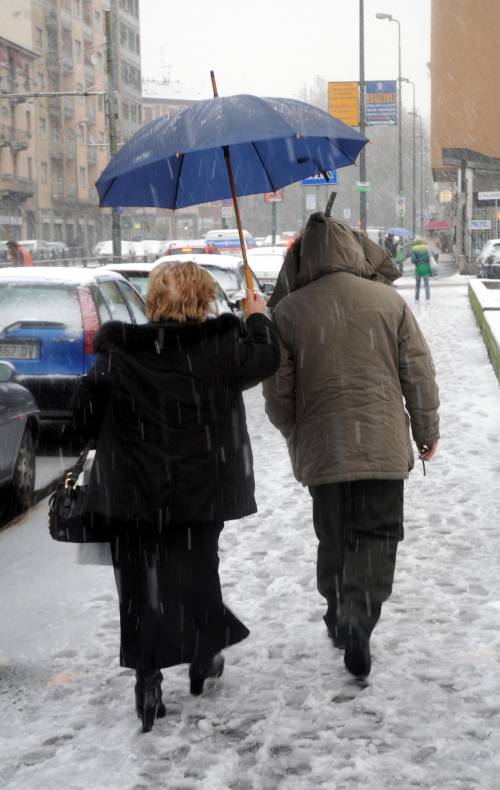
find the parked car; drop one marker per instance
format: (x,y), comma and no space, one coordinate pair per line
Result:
(228,241)
(138,275)
(191,246)
(58,250)
(227,270)
(266,262)
(18,434)
(104,250)
(149,248)
(488,260)
(49,317)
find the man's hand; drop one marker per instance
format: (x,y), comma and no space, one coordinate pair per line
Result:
(253,303)
(427,451)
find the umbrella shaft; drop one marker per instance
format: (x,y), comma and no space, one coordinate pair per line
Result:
(246,270)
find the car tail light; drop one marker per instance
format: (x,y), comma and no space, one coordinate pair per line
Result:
(186,249)
(90,319)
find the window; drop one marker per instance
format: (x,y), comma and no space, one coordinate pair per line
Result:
(78,49)
(78,7)
(42,127)
(30,168)
(135,303)
(28,121)
(101,138)
(39,36)
(43,172)
(125,111)
(80,133)
(40,81)
(114,300)
(83,177)
(79,88)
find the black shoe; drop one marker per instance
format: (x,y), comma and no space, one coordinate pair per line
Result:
(198,673)
(338,636)
(357,656)
(148,699)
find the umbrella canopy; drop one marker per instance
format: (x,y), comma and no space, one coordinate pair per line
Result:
(399,231)
(180,160)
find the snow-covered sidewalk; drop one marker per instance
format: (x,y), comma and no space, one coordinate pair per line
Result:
(286,714)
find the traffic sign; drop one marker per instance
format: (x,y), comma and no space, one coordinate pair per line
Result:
(362,186)
(317,181)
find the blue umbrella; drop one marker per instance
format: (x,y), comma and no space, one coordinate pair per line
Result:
(225,147)
(399,231)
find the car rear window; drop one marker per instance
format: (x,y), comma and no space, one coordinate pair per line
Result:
(23,302)
(228,280)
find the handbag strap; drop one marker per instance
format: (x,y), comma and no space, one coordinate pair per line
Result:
(74,473)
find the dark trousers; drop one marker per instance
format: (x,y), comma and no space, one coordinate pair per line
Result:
(171,606)
(359,525)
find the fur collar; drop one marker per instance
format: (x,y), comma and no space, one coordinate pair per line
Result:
(116,334)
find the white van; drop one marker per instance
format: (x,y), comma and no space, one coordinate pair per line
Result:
(228,240)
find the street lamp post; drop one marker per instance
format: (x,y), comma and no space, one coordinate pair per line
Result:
(390,18)
(414,163)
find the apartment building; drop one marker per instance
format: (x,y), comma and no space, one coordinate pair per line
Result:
(61,47)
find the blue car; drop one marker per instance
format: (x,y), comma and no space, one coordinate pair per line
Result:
(18,435)
(49,317)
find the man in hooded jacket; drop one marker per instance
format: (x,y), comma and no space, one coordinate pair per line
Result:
(355,372)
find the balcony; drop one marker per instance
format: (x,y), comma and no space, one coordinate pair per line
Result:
(55,108)
(15,189)
(18,139)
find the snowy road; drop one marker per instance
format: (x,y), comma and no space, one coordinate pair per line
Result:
(286,714)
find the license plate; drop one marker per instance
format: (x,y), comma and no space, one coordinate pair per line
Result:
(18,350)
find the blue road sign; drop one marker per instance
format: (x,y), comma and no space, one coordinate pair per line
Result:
(317,181)
(381,99)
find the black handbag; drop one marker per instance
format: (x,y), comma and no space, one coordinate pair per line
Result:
(69,519)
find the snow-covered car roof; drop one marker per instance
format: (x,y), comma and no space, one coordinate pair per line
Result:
(203,259)
(69,275)
(257,251)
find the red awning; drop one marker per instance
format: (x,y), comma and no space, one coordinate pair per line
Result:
(438,224)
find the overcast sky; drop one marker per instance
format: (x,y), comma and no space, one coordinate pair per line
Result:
(274,48)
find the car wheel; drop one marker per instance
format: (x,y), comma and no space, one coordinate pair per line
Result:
(23,483)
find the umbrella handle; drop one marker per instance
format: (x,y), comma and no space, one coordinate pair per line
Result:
(227,156)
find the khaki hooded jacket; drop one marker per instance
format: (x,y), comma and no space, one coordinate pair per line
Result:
(355,368)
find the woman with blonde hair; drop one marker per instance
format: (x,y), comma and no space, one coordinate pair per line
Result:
(173,463)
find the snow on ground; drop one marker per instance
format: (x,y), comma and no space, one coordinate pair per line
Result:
(286,714)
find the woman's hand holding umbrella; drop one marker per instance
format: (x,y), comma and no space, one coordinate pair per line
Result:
(253,303)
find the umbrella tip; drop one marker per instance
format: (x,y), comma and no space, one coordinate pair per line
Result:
(331,201)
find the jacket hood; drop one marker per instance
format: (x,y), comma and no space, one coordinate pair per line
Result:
(329,245)
(156,336)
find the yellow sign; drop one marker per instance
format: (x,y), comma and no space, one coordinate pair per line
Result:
(343,102)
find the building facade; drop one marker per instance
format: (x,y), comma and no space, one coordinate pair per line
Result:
(58,145)
(465,118)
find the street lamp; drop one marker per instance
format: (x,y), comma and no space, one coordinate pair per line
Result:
(414,165)
(390,18)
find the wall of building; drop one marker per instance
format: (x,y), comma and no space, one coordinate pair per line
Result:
(464,56)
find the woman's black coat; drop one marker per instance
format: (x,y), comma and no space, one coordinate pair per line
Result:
(165,402)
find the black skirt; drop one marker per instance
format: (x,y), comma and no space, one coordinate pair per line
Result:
(171,607)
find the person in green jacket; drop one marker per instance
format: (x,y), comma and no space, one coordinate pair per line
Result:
(420,257)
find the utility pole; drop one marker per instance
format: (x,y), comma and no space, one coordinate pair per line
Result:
(116,230)
(362,156)
(414,164)
(273,222)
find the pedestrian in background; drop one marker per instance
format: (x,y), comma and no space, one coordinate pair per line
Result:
(421,259)
(353,364)
(173,463)
(18,255)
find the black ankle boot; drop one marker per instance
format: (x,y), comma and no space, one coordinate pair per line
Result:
(357,656)
(199,672)
(148,698)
